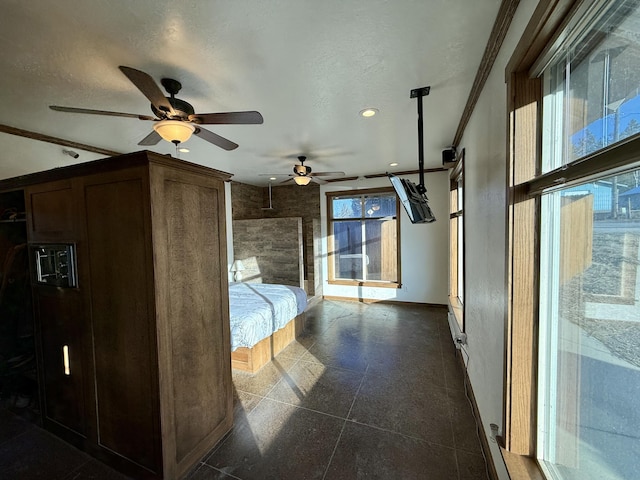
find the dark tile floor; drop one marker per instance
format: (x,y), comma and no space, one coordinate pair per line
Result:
(369,391)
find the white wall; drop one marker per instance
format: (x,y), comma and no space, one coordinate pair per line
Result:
(485,205)
(424,247)
(229,221)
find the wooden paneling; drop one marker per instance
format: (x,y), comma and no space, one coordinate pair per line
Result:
(192,308)
(147,327)
(50,208)
(124,343)
(61,323)
(199,360)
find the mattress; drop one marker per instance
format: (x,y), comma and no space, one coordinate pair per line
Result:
(259,309)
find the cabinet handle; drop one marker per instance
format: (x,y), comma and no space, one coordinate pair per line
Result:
(65,359)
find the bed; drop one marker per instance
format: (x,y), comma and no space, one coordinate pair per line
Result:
(264,318)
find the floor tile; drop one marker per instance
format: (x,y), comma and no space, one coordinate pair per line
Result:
(12,425)
(367,453)
(94,470)
(244,402)
(261,382)
(453,375)
(206,472)
(36,454)
(279,441)
(298,347)
(417,364)
(402,406)
(471,466)
(346,354)
(318,387)
(463,422)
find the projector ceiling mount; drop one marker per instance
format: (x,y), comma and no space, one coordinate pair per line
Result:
(419,93)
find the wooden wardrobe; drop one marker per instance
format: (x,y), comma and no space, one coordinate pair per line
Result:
(134,355)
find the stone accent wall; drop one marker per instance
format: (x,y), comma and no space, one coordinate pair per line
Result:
(270,249)
(249,202)
(246,201)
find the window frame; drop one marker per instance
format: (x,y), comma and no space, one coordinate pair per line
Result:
(330,240)
(456,243)
(544,35)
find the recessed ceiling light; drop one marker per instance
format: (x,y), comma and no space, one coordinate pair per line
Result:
(272,178)
(393,164)
(183,150)
(368,112)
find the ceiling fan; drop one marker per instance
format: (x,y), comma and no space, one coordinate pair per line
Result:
(175,120)
(302,174)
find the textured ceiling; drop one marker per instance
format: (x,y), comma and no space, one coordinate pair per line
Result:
(308,67)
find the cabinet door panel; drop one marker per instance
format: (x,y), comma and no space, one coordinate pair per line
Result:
(60,321)
(122,319)
(50,211)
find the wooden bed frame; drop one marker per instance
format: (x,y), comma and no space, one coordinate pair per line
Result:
(253,359)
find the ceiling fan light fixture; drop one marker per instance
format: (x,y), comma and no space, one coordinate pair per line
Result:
(302,180)
(174,131)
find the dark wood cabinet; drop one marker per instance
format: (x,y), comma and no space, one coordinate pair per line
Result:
(61,326)
(134,358)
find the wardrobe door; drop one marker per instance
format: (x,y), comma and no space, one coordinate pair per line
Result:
(59,316)
(60,326)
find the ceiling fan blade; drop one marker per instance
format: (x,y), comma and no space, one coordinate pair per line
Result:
(100,112)
(215,139)
(286,181)
(237,118)
(326,174)
(275,175)
(152,139)
(317,180)
(149,88)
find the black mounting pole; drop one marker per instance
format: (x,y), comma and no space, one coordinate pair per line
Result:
(419,93)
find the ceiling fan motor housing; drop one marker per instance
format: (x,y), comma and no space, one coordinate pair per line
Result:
(301,170)
(183,109)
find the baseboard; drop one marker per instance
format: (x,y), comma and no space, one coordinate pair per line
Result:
(373,300)
(312,301)
(484,442)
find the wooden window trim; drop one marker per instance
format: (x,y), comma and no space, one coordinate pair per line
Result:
(524,96)
(330,246)
(525,185)
(369,283)
(456,176)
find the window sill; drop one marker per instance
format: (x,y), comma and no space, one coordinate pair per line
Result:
(358,283)
(521,467)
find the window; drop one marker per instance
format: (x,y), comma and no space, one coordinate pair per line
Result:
(456,240)
(589,365)
(573,371)
(364,246)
